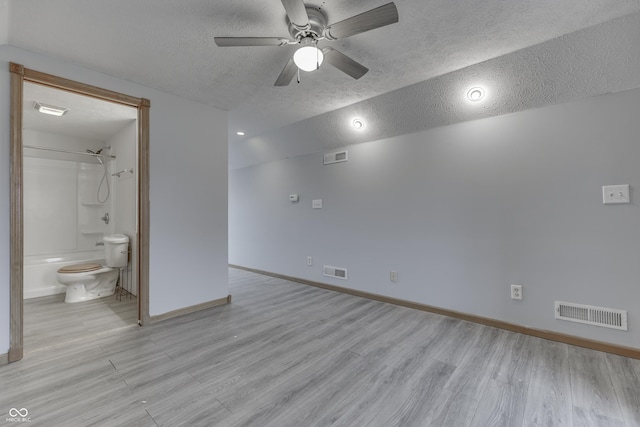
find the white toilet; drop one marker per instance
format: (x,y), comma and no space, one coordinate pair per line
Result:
(91,280)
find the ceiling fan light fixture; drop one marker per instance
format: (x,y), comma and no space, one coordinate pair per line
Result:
(308,58)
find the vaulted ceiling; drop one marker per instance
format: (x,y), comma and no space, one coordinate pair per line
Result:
(169,45)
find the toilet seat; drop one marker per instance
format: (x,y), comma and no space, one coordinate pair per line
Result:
(80,268)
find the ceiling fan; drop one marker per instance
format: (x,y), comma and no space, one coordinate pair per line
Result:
(307,25)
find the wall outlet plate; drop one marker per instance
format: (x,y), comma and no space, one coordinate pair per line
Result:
(615,194)
(309,260)
(516,292)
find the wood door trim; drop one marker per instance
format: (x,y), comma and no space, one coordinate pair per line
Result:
(16,346)
(81,88)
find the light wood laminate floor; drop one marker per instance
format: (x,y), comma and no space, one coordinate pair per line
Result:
(286,354)
(49,321)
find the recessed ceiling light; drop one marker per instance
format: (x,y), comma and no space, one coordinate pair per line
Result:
(240,133)
(358,123)
(475,94)
(52,110)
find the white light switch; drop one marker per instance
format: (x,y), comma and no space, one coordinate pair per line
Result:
(316,204)
(615,194)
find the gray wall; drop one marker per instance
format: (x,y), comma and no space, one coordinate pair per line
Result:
(188,190)
(463,211)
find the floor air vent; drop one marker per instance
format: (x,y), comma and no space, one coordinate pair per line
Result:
(598,316)
(338,156)
(338,273)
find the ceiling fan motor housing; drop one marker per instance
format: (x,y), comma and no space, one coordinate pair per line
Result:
(317,23)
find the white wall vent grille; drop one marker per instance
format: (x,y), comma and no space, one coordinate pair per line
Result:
(598,316)
(338,273)
(336,157)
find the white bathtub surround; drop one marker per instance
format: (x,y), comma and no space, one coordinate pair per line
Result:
(61,213)
(63,218)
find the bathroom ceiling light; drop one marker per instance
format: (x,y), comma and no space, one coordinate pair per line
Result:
(475,94)
(50,109)
(358,123)
(240,133)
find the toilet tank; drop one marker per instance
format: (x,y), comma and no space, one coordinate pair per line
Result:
(116,250)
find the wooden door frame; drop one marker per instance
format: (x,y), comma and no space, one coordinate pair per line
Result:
(19,75)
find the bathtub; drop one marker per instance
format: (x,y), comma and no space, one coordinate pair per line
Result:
(39,271)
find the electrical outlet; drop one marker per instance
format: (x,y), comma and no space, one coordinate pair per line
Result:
(516,291)
(393,276)
(615,194)
(309,260)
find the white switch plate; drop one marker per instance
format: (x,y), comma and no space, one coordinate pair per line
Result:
(393,276)
(316,204)
(615,194)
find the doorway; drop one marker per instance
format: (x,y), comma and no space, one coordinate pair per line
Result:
(20,78)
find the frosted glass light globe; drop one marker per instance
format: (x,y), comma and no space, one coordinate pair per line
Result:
(308,58)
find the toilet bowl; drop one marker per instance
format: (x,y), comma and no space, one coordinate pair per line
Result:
(89,281)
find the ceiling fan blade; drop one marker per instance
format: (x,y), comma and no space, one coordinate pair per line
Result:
(375,18)
(297,13)
(250,41)
(287,73)
(343,63)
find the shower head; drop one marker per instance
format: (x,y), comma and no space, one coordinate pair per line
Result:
(97,157)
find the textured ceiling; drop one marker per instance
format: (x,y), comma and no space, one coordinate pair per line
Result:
(595,61)
(169,45)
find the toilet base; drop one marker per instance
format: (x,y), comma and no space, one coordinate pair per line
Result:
(89,285)
(78,293)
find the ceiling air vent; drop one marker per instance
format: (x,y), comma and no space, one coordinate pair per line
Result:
(336,157)
(338,273)
(598,316)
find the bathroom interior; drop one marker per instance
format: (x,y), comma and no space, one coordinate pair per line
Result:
(80,216)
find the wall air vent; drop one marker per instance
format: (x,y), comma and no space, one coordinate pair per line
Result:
(598,316)
(336,157)
(338,273)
